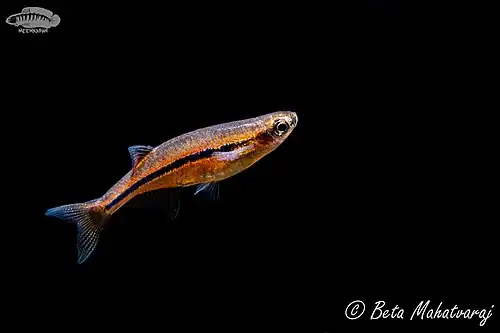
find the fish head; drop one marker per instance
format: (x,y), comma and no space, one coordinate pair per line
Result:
(256,137)
(277,126)
(11,20)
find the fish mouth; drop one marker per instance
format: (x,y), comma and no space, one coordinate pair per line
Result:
(294,119)
(10,20)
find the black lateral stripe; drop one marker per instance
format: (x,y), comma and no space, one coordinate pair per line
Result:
(174,165)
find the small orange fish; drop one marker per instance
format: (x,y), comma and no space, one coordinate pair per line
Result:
(202,157)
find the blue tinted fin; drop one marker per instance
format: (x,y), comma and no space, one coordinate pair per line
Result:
(137,153)
(212,189)
(89,218)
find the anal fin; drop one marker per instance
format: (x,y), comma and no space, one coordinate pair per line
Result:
(175,203)
(166,200)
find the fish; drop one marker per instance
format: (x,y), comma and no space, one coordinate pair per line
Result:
(34,17)
(200,158)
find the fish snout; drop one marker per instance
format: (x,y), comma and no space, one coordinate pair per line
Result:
(11,20)
(295,118)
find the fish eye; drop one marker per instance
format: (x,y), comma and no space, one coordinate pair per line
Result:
(281,127)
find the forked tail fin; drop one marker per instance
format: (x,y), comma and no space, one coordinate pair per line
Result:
(90,219)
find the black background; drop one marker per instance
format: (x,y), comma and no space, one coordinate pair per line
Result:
(386,190)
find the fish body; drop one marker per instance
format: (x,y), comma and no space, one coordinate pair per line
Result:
(202,157)
(34,17)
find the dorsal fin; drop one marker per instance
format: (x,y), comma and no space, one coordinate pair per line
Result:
(137,153)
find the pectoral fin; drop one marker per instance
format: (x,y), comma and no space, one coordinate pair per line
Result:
(211,189)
